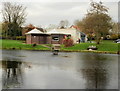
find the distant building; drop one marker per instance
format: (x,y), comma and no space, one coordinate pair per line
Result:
(74,32)
(35,36)
(54,36)
(27,29)
(83,37)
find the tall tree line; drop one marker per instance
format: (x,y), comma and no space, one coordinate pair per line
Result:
(13,17)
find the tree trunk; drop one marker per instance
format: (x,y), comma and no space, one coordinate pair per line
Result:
(98,37)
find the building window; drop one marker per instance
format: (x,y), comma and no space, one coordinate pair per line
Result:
(67,36)
(55,38)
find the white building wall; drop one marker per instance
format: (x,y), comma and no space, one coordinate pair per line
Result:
(75,34)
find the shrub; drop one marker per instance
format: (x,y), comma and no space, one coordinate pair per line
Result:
(68,42)
(114,36)
(33,45)
(20,38)
(119,36)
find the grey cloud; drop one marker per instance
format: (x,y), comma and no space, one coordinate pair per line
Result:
(65,5)
(45,13)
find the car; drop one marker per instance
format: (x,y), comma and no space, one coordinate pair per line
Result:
(117,41)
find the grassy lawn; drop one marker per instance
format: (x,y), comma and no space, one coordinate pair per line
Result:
(11,44)
(104,46)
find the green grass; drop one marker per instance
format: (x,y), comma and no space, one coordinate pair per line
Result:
(15,44)
(108,46)
(105,46)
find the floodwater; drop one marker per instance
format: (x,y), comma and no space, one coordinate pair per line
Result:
(68,70)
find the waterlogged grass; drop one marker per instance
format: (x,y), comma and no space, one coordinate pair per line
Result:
(105,46)
(15,44)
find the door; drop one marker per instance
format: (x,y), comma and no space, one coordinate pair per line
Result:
(42,39)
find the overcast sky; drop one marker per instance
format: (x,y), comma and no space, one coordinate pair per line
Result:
(44,12)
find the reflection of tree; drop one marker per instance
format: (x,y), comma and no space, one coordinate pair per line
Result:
(12,75)
(95,78)
(94,71)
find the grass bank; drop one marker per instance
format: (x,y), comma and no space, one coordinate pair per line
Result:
(106,46)
(15,44)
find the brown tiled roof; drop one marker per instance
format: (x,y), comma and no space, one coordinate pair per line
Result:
(76,27)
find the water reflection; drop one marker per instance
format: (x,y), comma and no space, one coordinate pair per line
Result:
(12,74)
(42,70)
(95,78)
(94,72)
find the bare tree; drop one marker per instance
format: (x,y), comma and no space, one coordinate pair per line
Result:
(63,23)
(52,26)
(97,21)
(14,15)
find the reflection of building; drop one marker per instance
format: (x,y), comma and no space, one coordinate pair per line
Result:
(54,36)
(12,76)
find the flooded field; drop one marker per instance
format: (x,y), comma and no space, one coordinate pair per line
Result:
(73,70)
